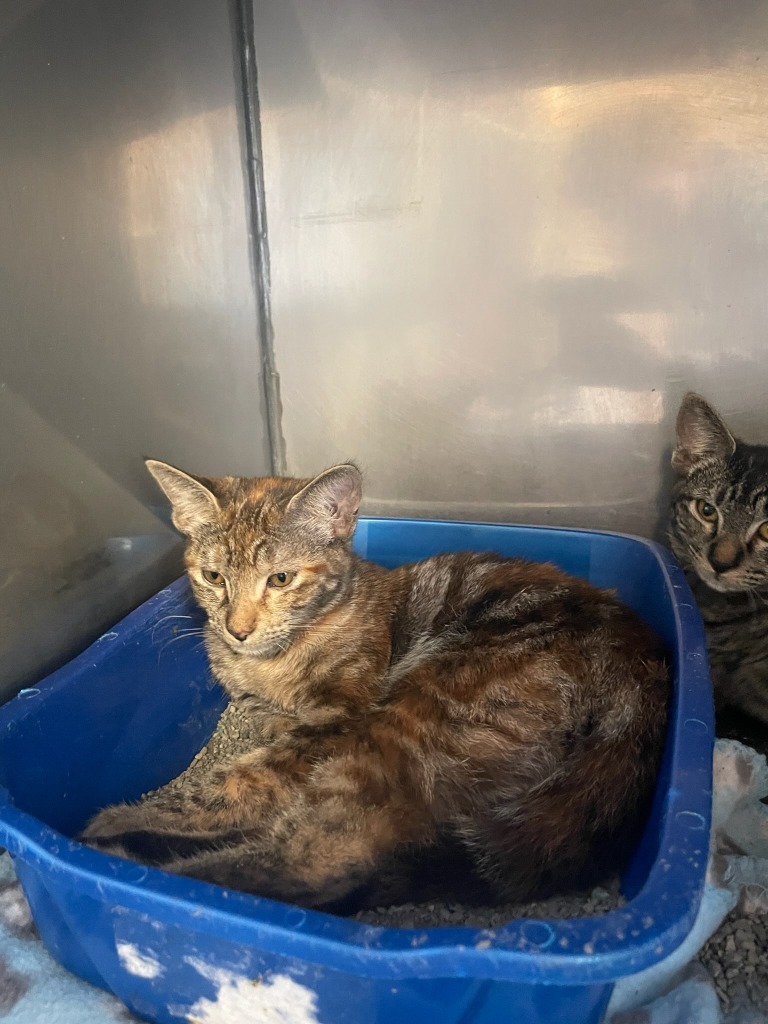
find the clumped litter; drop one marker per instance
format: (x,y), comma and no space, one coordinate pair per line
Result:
(736,956)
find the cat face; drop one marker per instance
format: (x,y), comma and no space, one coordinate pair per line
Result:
(720,502)
(267,557)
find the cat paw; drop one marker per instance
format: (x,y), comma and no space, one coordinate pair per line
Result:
(142,845)
(112,846)
(112,822)
(161,848)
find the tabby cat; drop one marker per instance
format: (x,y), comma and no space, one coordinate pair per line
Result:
(719,532)
(495,704)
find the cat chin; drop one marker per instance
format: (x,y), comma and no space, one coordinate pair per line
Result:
(723,586)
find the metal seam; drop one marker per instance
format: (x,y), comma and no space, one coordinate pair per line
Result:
(245,42)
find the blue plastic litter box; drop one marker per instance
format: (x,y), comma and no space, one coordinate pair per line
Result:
(130,713)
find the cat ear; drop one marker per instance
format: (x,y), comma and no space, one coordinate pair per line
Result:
(701,434)
(193,504)
(329,503)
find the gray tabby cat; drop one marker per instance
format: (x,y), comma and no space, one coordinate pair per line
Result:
(719,533)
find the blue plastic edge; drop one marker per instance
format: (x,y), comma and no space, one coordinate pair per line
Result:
(577,952)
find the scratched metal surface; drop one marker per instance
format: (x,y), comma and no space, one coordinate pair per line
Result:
(505,237)
(127,310)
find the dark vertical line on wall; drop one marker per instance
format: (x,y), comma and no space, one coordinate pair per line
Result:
(245,41)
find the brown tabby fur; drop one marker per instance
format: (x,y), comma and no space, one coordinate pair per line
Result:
(499,706)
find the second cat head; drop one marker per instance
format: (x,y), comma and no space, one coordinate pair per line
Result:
(719,525)
(266,557)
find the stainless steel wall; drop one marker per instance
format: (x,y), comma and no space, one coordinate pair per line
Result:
(505,237)
(128,321)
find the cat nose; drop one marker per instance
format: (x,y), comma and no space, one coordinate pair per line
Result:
(239,634)
(725,555)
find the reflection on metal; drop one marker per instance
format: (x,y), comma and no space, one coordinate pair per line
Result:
(506,237)
(164,183)
(76,546)
(129,322)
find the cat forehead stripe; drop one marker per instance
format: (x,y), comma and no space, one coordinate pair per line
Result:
(256,548)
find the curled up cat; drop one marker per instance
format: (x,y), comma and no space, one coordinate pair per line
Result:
(500,707)
(719,533)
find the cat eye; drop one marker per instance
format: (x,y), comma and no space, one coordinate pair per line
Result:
(215,578)
(281,579)
(706,511)
(762,531)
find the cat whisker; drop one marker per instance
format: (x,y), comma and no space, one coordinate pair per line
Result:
(187,632)
(187,635)
(165,619)
(195,631)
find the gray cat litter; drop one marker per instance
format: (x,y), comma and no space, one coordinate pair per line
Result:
(737,958)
